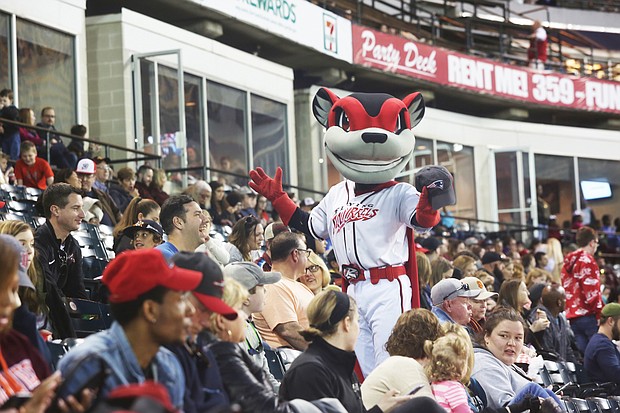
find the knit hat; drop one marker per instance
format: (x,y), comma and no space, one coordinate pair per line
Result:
(611,310)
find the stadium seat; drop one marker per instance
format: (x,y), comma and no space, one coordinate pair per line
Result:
(86,316)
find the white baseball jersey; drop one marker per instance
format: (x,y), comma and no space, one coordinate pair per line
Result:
(367,230)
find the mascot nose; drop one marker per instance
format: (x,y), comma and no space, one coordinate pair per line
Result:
(372,137)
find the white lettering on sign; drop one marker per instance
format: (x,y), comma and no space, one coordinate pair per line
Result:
(553,89)
(602,95)
(386,54)
(414,59)
(470,72)
(511,81)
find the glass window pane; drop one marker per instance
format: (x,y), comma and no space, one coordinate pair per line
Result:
(169,116)
(423,153)
(506,178)
(601,171)
(194,123)
(46,67)
(147,86)
(555,176)
(226,109)
(459,160)
(269,134)
(5,62)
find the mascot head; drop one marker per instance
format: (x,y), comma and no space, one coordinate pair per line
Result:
(368,136)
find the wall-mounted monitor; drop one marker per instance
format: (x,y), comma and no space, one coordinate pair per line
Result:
(595,190)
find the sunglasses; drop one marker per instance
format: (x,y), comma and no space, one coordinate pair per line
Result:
(464,287)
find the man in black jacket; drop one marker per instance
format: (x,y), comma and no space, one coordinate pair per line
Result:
(59,254)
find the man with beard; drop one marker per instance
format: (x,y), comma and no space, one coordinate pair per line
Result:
(602,359)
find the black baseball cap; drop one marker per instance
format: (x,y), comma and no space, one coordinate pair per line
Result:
(211,289)
(439,184)
(490,257)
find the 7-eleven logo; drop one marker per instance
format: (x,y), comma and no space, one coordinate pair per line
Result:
(330,34)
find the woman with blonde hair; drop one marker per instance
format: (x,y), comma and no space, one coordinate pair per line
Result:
(441,269)
(451,360)
(537,276)
(424,278)
(466,264)
(556,259)
(316,275)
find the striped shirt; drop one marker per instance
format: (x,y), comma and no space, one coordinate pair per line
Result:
(451,395)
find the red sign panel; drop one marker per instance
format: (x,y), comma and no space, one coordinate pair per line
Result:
(398,55)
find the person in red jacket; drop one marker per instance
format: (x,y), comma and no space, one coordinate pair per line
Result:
(581,280)
(32,171)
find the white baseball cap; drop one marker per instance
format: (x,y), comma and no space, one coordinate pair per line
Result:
(475,284)
(85,166)
(451,288)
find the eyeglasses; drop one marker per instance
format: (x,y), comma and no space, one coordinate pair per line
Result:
(313,268)
(307,251)
(464,287)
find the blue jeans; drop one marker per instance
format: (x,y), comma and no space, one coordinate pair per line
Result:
(537,390)
(583,328)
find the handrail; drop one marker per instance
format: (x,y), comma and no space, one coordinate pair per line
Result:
(49,132)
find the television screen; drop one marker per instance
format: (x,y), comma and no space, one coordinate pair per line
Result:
(595,190)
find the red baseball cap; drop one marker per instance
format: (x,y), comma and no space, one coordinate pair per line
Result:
(150,389)
(211,289)
(135,272)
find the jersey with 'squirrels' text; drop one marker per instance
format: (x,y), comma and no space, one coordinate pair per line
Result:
(369,229)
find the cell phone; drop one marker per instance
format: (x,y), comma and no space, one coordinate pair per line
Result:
(16,401)
(77,381)
(415,389)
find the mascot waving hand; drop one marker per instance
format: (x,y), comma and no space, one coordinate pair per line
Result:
(369,217)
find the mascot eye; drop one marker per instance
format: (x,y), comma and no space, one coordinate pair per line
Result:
(401,123)
(342,120)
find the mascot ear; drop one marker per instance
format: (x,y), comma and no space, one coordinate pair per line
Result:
(416,107)
(322,104)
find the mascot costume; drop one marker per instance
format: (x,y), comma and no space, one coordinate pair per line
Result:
(370,217)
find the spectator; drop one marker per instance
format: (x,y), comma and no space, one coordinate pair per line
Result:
(537,276)
(77,146)
(556,339)
(451,359)
(201,192)
(284,314)
(10,133)
(145,234)
(581,280)
(204,389)
(316,275)
(602,359)
(157,186)
(125,191)
(138,210)
(245,240)
(261,210)
(59,255)
(235,201)
(441,269)
(144,177)
(59,154)
(271,231)
(24,370)
(450,299)
(67,176)
(540,257)
(249,202)
(150,309)
(32,171)
(102,174)
(479,304)
(494,264)
(504,383)
(252,278)
(466,264)
(211,246)
(7,172)
(424,279)
(220,210)
(181,219)
(86,173)
(554,253)
(26,115)
(404,369)
(334,331)
(434,247)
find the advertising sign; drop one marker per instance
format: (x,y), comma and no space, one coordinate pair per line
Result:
(444,67)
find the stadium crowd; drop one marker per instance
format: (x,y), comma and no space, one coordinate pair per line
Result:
(219,306)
